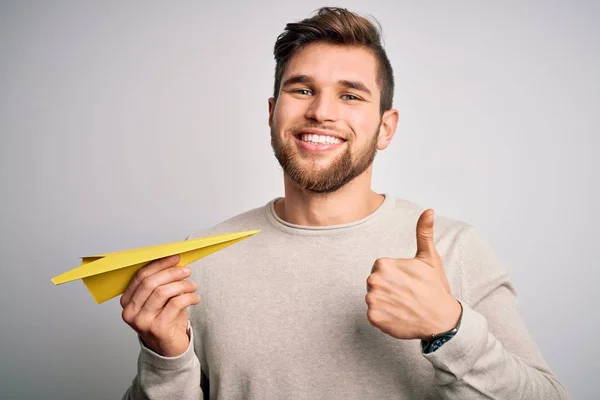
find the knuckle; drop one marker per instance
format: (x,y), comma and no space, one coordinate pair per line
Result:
(373,317)
(122,302)
(140,323)
(161,292)
(370,299)
(192,286)
(384,264)
(182,301)
(147,284)
(185,287)
(142,273)
(177,272)
(178,301)
(371,280)
(374,281)
(127,315)
(425,234)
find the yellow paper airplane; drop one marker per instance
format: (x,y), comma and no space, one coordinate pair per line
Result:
(107,275)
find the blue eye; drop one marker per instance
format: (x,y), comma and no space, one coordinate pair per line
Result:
(305,92)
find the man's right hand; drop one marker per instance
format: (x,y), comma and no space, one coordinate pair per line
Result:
(155,305)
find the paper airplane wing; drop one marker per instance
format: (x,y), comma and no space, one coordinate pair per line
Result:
(107,275)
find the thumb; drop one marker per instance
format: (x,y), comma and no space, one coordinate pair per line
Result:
(425,246)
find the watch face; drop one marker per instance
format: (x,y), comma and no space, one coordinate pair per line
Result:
(438,343)
(430,347)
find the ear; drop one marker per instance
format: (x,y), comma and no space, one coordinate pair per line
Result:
(387,129)
(271,111)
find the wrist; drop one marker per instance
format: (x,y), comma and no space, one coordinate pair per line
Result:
(172,348)
(448,319)
(435,341)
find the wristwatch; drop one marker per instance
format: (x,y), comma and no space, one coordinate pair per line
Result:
(437,340)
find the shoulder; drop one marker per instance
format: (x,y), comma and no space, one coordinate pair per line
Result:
(254,218)
(451,234)
(407,213)
(465,250)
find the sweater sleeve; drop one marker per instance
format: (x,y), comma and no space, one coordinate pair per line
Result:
(492,356)
(162,377)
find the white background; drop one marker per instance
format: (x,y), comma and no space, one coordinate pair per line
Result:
(126,124)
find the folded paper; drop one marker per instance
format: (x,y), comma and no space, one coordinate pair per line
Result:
(107,275)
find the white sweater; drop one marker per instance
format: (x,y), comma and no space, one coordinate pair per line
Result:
(283,316)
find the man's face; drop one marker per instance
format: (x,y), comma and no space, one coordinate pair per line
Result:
(325,125)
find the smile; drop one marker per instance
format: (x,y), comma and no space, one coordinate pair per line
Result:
(314,143)
(319,139)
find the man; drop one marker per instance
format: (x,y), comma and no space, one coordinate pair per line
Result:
(345,293)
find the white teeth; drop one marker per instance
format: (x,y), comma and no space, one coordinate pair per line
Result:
(320,139)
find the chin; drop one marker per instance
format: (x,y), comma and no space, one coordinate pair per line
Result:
(316,168)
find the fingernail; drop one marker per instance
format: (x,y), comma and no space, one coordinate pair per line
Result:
(186,269)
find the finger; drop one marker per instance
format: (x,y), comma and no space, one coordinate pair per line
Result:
(382,300)
(380,283)
(164,293)
(382,264)
(426,250)
(144,272)
(176,305)
(389,266)
(152,282)
(378,317)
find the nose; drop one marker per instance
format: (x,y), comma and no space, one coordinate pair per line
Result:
(322,108)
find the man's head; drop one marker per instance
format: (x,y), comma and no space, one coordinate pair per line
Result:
(331,107)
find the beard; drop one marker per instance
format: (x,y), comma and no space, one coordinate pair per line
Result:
(340,172)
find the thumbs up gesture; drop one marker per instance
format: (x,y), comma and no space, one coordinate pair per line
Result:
(409,298)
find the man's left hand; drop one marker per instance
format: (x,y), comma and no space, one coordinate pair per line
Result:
(409,298)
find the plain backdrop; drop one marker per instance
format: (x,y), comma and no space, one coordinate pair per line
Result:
(126,124)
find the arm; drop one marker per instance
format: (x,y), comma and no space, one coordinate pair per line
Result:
(157,305)
(161,377)
(492,356)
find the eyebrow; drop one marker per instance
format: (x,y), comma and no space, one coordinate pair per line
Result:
(294,79)
(356,85)
(305,79)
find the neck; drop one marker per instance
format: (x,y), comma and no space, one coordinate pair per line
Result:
(350,203)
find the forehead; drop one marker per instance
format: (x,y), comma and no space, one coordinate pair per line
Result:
(328,64)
